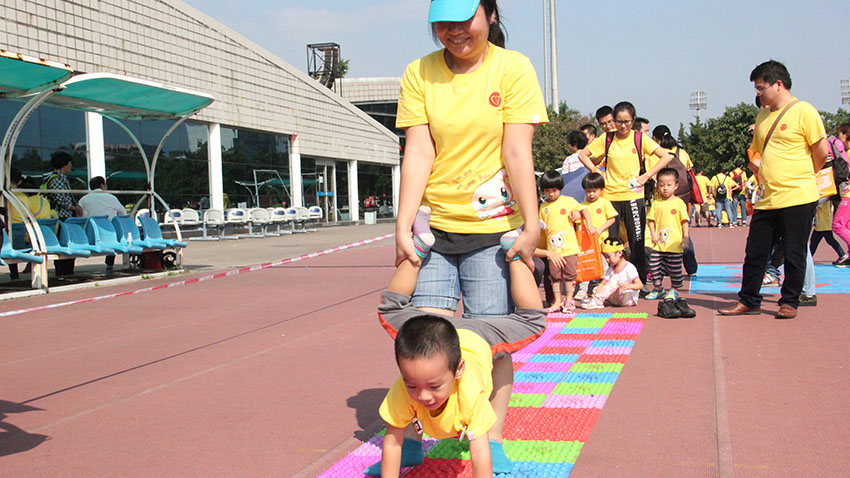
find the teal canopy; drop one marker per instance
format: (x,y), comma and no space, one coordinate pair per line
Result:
(22,75)
(129,98)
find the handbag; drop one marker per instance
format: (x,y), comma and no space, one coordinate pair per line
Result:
(590,266)
(826,183)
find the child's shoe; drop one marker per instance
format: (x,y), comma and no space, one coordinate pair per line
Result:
(667,309)
(568,306)
(580,295)
(591,303)
(841,259)
(655,294)
(684,310)
(423,238)
(672,294)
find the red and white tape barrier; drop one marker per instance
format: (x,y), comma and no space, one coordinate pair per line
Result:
(217,275)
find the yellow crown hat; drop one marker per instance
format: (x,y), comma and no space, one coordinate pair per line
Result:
(612,246)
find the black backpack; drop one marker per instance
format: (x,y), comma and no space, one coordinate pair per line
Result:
(840,168)
(720,191)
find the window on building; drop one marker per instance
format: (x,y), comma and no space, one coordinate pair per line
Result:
(375,184)
(48,129)
(255,168)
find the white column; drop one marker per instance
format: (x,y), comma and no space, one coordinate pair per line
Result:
(295,173)
(215,175)
(94,145)
(353,192)
(396,187)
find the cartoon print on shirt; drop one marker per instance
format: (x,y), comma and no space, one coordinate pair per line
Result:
(494,198)
(557,241)
(664,235)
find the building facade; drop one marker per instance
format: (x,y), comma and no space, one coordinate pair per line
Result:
(273,135)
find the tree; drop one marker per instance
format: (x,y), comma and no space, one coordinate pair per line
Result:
(342,68)
(549,145)
(832,120)
(720,144)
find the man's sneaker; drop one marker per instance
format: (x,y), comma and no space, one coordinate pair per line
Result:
(655,294)
(667,309)
(808,300)
(684,310)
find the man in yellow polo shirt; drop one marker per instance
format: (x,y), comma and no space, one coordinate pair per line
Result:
(789,134)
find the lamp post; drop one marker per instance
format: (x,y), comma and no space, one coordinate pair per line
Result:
(845,91)
(698,102)
(550,54)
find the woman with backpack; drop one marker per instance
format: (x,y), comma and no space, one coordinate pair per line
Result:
(626,153)
(722,188)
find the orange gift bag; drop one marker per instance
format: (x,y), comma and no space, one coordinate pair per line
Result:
(590,265)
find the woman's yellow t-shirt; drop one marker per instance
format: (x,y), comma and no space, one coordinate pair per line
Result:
(468,189)
(622,164)
(787,174)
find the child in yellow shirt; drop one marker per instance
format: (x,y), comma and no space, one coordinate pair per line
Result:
(560,213)
(602,214)
(668,228)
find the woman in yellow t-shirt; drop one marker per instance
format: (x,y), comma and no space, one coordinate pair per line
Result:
(625,177)
(469,112)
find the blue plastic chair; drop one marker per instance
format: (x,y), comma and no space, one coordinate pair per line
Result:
(10,253)
(125,225)
(153,233)
(74,236)
(100,231)
(51,242)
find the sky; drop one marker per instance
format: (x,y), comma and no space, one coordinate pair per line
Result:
(653,54)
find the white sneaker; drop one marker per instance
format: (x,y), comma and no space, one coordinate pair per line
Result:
(580,295)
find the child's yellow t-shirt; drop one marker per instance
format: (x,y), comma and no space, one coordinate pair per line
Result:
(467,406)
(468,189)
(622,164)
(668,217)
(600,211)
(560,230)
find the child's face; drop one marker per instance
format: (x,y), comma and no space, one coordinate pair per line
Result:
(592,194)
(613,258)
(429,381)
(667,185)
(552,194)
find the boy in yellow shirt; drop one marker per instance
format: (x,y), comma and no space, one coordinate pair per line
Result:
(446,365)
(602,214)
(560,213)
(668,228)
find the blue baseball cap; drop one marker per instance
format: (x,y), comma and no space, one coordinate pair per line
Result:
(452,10)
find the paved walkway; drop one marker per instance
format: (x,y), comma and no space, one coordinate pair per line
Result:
(279,372)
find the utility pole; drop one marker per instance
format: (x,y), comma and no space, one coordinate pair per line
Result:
(550,54)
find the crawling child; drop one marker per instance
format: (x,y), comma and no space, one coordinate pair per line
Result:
(446,365)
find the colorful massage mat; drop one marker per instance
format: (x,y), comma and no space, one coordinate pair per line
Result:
(561,383)
(721,278)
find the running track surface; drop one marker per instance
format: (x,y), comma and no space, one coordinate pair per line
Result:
(280,372)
